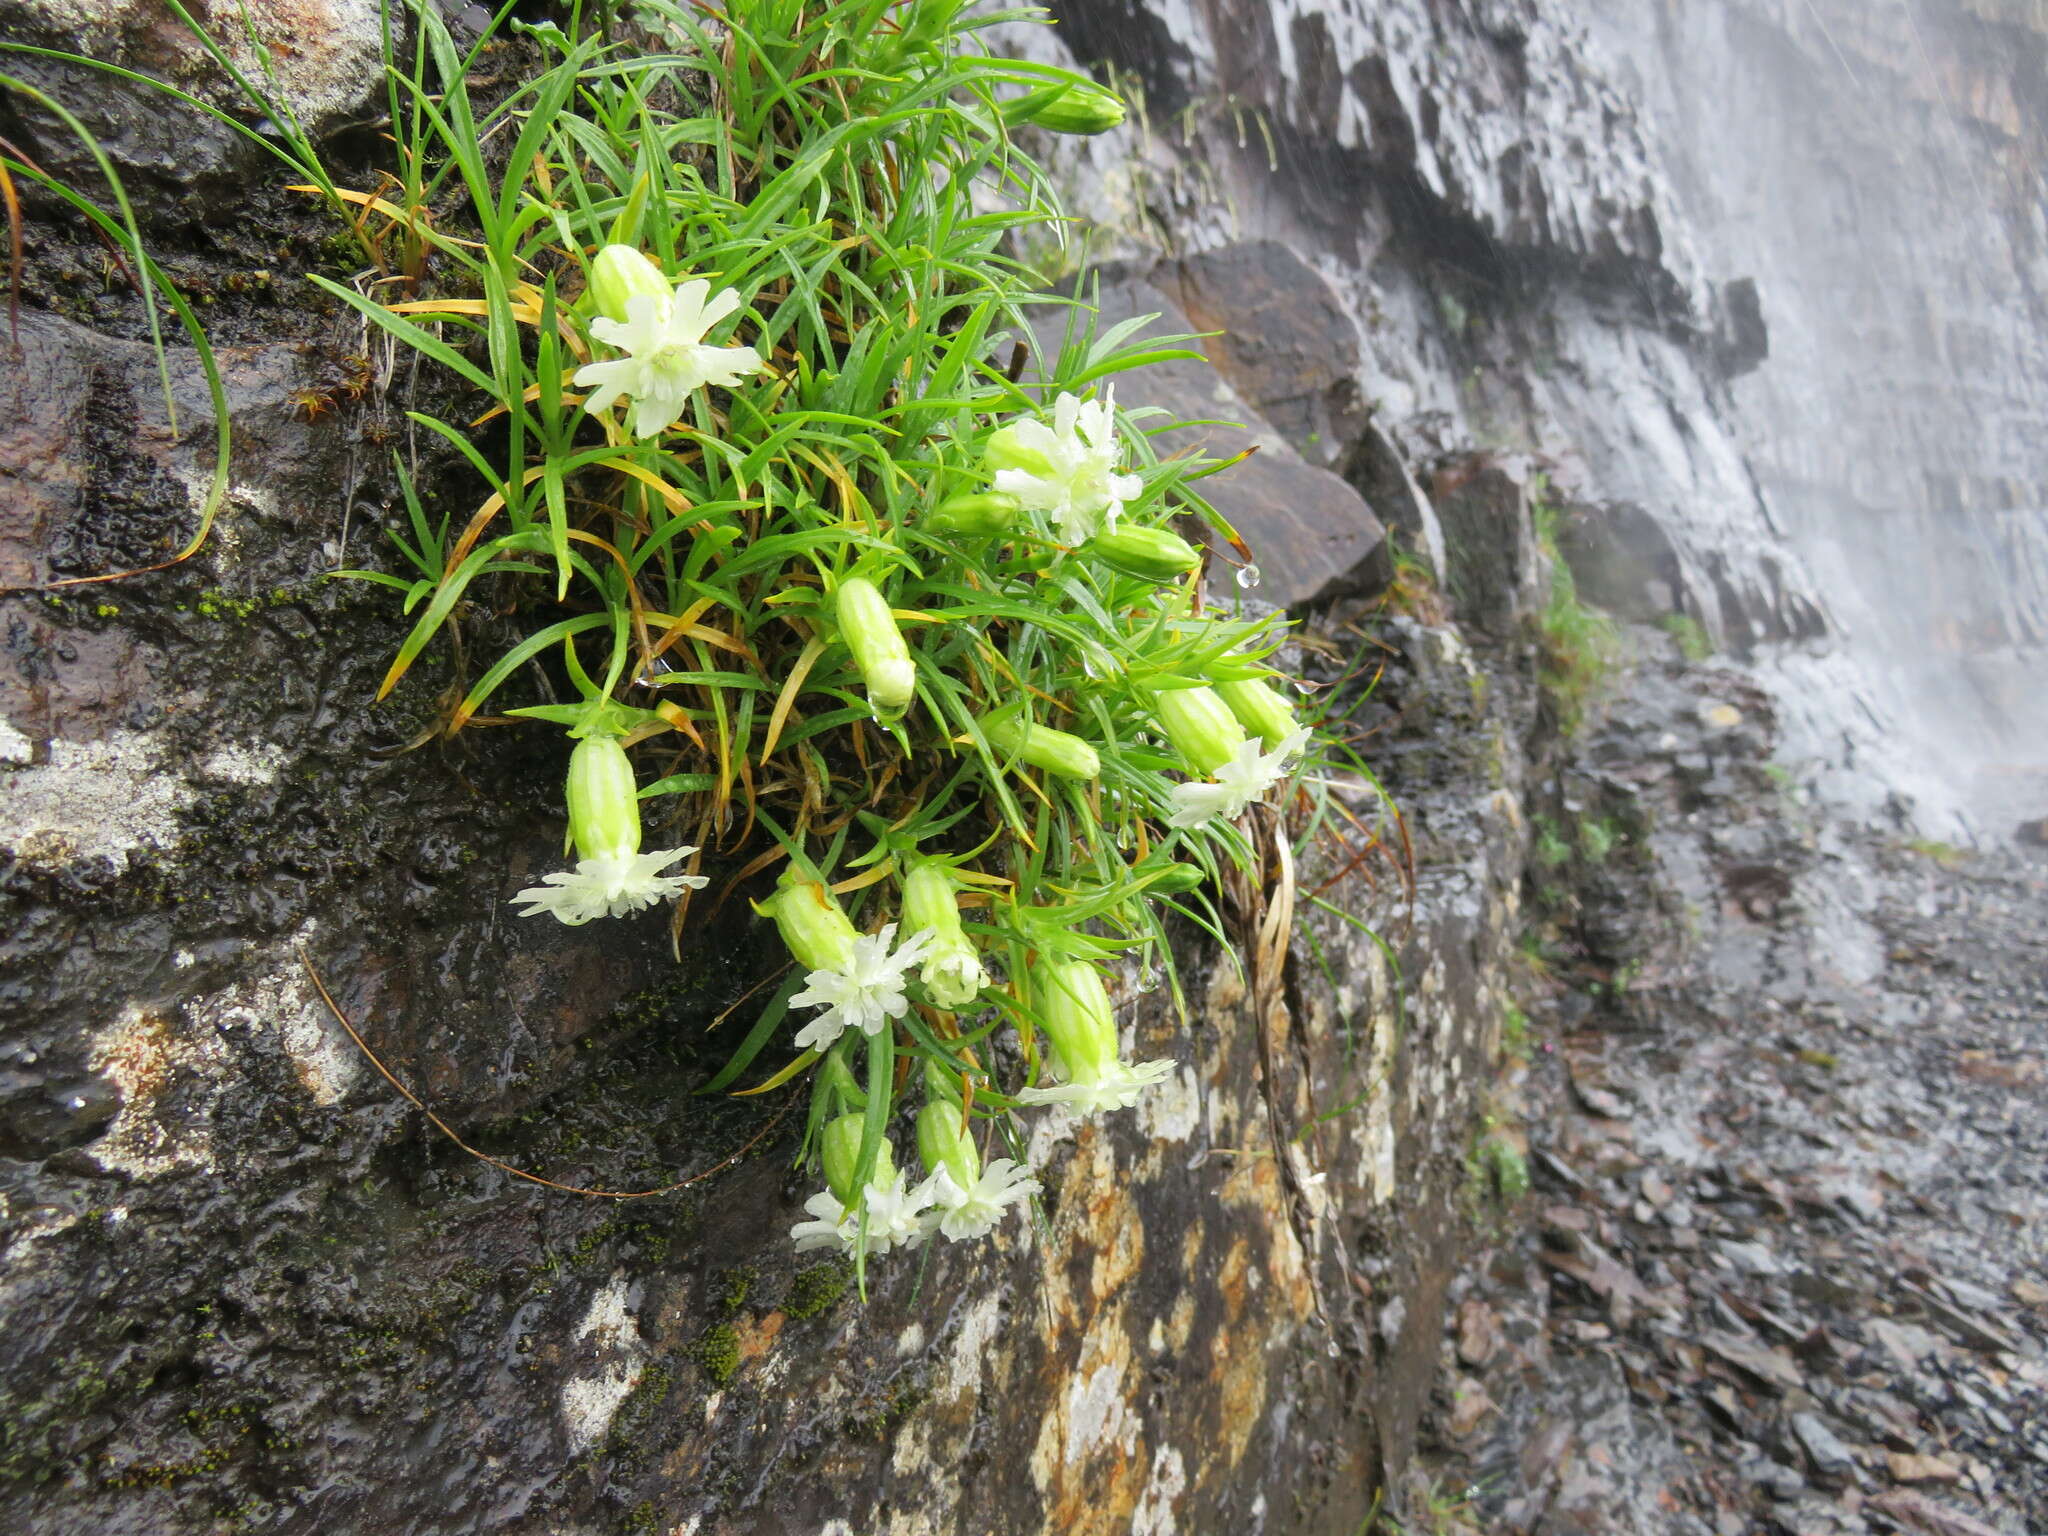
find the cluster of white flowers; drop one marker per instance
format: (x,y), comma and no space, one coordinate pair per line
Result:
(1239,736)
(900,1217)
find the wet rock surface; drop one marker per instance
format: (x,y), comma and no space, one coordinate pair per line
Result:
(249,1287)
(1782,1092)
(1780,1102)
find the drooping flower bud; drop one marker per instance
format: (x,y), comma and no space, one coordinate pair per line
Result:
(1057,752)
(1260,709)
(980,514)
(817,933)
(1083,107)
(869,630)
(1200,726)
(841,1156)
(604,799)
(617,273)
(1150,554)
(943,1143)
(951,969)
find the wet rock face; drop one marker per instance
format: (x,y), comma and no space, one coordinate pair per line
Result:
(244,1282)
(1485,110)
(320,61)
(1781,1271)
(248,1286)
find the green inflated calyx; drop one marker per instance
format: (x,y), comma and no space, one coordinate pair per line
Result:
(818,935)
(1057,752)
(1260,710)
(869,630)
(1151,554)
(943,1142)
(979,514)
(841,1155)
(1200,726)
(604,800)
(951,969)
(1006,449)
(619,273)
(1073,1007)
(1083,107)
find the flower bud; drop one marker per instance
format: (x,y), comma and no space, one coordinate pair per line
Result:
(619,273)
(979,515)
(943,1142)
(1073,1006)
(951,970)
(1083,107)
(1006,449)
(1172,879)
(1058,752)
(1259,709)
(817,933)
(604,800)
(1200,726)
(841,1155)
(1151,554)
(869,630)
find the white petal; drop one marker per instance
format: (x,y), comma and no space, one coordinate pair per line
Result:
(654,414)
(611,380)
(726,366)
(1066,413)
(1195,803)
(725,302)
(1116,1086)
(687,320)
(1036,494)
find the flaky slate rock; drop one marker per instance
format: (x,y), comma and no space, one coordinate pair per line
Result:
(1282,338)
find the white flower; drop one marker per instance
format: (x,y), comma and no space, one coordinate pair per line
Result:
(1239,782)
(667,359)
(896,1217)
(1070,467)
(963,1214)
(1114,1085)
(827,1230)
(864,996)
(610,885)
(953,974)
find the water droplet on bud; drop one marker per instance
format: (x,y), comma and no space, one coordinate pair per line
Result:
(1247,576)
(1148,979)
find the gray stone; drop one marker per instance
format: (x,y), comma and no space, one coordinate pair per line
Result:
(320,61)
(1495,569)
(1310,535)
(1622,560)
(1281,338)
(1827,1455)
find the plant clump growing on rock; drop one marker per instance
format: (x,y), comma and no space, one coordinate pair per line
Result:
(845,574)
